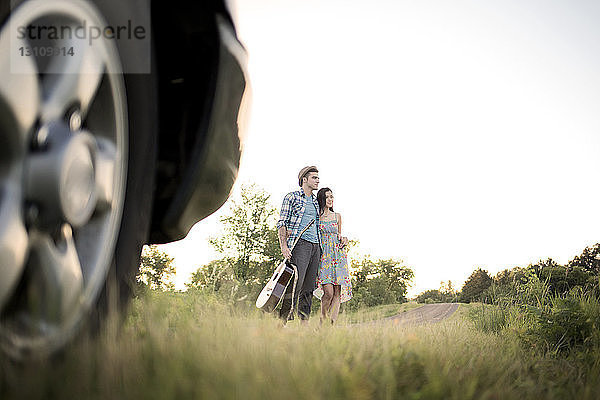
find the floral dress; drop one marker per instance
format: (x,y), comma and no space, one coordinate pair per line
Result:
(333,267)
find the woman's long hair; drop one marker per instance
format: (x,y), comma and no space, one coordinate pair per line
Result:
(321,199)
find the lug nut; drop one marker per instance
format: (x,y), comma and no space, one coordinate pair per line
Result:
(75,121)
(40,138)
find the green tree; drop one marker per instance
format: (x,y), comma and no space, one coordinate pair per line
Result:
(211,276)
(249,243)
(560,279)
(156,269)
(518,275)
(589,260)
(445,294)
(474,286)
(431,296)
(248,246)
(448,291)
(378,282)
(503,277)
(541,265)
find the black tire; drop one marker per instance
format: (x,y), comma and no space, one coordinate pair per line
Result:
(142,103)
(142,111)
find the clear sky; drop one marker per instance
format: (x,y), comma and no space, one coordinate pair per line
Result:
(454,134)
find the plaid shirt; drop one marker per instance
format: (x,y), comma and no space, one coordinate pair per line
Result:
(292,211)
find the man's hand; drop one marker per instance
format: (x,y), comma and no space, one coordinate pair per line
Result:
(285,250)
(283,234)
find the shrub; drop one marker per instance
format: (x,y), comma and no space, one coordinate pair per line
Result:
(565,325)
(431,296)
(554,324)
(489,319)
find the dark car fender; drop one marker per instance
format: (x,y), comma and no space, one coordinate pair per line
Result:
(202,124)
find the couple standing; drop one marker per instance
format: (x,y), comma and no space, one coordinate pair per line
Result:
(319,253)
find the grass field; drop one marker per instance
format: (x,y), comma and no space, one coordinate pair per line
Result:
(189,346)
(379,312)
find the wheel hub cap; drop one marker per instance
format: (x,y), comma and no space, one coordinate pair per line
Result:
(61,179)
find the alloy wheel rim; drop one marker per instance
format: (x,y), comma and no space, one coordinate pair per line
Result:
(63,120)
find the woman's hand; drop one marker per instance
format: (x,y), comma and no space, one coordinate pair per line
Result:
(343,240)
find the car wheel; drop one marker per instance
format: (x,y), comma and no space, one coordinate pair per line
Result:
(76,171)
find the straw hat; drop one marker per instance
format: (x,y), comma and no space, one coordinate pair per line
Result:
(304,171)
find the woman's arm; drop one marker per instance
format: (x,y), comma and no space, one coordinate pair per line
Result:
(343,240)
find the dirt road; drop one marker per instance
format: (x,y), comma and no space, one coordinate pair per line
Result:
(429,313)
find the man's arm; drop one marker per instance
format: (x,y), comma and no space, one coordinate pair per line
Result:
(285,250)
(284,221)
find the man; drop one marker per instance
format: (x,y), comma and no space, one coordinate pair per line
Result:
(299,209)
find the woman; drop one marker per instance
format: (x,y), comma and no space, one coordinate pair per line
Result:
(333,281)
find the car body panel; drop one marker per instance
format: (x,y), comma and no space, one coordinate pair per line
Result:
(213,170)
(203,93)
